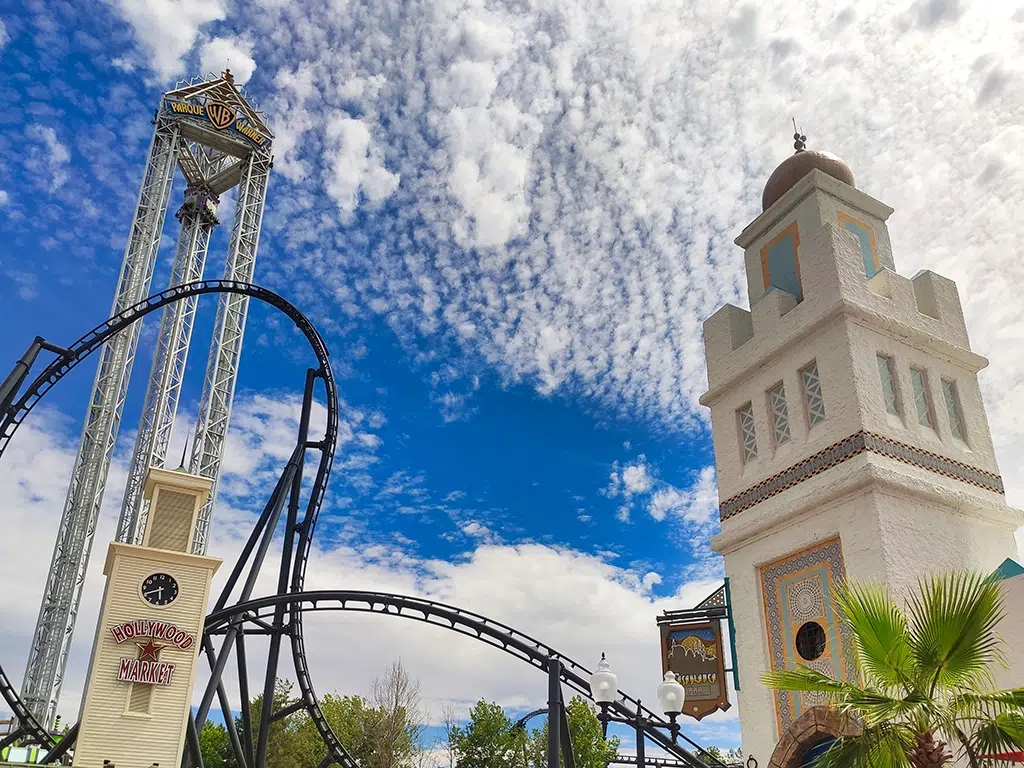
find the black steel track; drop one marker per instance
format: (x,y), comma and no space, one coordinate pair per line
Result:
(71,357)
(448,617)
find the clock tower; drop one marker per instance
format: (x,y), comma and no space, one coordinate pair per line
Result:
(850,436)
(138,691)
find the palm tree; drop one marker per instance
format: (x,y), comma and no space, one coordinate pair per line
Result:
(926,690)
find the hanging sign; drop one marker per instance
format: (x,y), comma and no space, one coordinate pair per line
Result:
(694,652)
(219,114)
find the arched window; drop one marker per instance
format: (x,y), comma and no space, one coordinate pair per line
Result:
(812,754)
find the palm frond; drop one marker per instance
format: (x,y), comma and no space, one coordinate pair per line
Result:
(1012,698)
(803,678)
(1003,733)
(952,628)
(883,746)
(881,637)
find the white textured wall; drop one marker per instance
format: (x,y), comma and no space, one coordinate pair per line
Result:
(1012,631)
(896,521)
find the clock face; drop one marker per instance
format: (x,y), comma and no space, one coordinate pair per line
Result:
(160,589)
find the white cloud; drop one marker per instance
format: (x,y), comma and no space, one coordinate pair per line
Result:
(4,36)
(232,53)
(355,167)
(46,157)
(4,197)
(166,30)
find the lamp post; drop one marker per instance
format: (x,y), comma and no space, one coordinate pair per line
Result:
(604,687)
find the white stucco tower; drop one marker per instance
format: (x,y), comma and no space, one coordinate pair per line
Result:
(849,431)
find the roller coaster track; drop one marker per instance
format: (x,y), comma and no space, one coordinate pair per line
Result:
(268,612)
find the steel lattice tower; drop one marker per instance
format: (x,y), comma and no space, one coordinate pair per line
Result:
(209,130)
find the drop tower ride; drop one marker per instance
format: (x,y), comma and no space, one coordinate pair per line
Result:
(211,132)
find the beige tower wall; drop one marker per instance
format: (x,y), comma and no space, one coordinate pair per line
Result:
(108,730)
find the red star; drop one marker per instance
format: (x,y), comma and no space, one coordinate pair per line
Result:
(149,651)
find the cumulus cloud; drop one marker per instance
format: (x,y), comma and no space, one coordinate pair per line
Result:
(166,30)
(47,156)
(4,36)
(232,53)
(354,169)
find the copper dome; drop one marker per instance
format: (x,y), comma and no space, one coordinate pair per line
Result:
(796,166)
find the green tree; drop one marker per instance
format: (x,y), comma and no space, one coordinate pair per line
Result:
(283,744)
(215,746)
(488,740)
(590,749)
(927,691)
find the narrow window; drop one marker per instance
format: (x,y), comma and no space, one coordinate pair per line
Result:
(748,436)
(779,413)
(139,698)
(813,400)
(921,401)
(956,419)
(885,371)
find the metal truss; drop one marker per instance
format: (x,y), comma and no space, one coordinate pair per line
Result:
(55,625)
(237,614)
(226,349)
(212,161)
(164,389)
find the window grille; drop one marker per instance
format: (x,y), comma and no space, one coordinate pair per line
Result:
(779,414)
(924,407)
(748,435)
(956,419)
(885,370)
(813,399)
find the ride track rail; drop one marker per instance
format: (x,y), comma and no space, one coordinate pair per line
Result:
(448,617)
(268,612)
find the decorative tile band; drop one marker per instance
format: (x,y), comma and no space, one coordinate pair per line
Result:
(847,448)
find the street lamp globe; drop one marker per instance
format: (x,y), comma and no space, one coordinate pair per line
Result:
(604,685)
(670,694)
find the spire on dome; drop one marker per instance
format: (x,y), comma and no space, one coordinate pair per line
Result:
(799,164)
(799,140)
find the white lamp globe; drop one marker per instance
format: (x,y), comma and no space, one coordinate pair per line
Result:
(671,694)
(604,685)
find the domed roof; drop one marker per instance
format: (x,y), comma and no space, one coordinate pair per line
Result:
(798,165)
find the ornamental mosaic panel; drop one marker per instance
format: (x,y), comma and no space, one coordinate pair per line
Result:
(847,448)
(813,399)
(780,265)
(797,589)
(865,237)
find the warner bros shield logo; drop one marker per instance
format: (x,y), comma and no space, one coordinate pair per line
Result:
(221,115)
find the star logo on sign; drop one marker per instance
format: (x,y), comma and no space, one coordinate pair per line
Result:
(149,651)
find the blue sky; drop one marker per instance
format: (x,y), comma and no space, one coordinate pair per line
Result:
(509,223)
